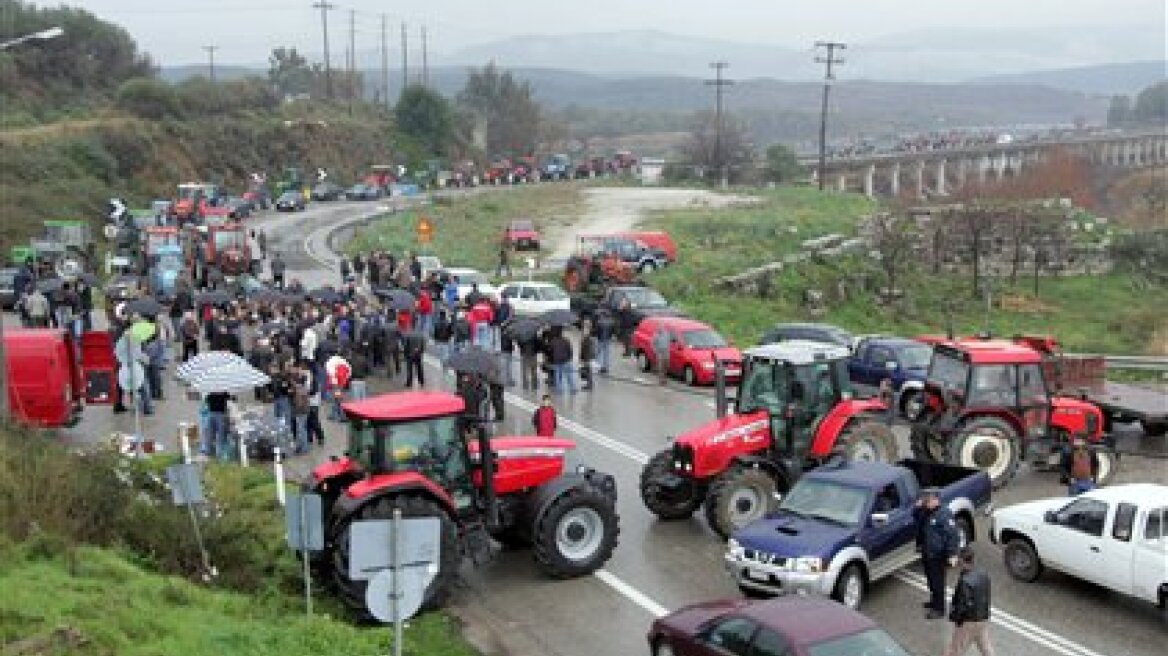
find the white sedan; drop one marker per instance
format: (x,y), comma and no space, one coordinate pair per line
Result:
(1115,537)
(533,298)
(467,280)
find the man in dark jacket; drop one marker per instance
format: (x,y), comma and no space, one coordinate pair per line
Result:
(414,345)
(970,609)
(938,540)
(626,324)
(1079,467)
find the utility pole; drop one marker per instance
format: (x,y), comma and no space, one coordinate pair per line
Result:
(384,62)
(425,60)
(405,58)
(211,56)
(352,58)
(719,83)
(324,6)
(828,61)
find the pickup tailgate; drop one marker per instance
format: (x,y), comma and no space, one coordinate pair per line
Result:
(955,482)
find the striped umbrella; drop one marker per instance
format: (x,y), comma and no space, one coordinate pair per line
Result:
(204,361)
(229,378)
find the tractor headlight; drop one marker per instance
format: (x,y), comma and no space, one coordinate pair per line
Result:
(808,565)
(707,365)
(734,549)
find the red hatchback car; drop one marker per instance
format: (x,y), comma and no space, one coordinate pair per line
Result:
(786,626)
(520,234)
(693,346)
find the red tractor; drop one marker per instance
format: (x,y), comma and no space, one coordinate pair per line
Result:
(419,452)
(986,404)
(224,246)
(794,410)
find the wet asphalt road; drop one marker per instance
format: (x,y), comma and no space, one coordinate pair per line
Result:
(663,565)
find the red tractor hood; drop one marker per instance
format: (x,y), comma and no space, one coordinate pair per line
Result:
(524,462)
(331,468)
(717,443)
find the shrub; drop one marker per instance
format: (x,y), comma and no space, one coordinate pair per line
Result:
(149,98)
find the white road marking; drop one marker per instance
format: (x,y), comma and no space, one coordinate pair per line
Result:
(1032,632)
(632,594)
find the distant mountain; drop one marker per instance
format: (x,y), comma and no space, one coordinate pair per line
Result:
(1104,79)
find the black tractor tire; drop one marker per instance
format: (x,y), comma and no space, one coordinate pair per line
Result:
(973,445)
(1108,465)
(353,592)
(867,440)
(926,445)
(1022,561)
(851,587)
(965,529)
(582,518)
(740,496)
(666,508)
(1154,428)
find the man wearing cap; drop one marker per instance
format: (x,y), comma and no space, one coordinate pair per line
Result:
(938,540)
(1079,467)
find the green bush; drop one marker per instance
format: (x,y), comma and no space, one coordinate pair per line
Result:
(149,98)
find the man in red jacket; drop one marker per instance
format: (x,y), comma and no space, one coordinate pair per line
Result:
(425,311)
(544,418)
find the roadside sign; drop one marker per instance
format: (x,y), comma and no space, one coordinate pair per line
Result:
(370,542)
(380,595)
(304,521)
(425,230)
(186,487)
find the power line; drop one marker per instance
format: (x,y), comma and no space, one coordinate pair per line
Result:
(324,8)
(719,83)
(828,61)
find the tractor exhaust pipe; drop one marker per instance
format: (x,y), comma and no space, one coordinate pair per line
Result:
(722,404)
(487,462)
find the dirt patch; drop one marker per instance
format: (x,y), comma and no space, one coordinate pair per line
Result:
(619,209)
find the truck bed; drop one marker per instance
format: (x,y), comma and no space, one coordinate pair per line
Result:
(1087,376)
(935,474)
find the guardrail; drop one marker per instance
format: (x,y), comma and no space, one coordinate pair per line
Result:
(1131,362)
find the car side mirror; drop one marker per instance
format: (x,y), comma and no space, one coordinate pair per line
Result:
(1050,517)
(879,519)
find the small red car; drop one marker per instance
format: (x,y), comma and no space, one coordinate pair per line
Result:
(521,235)
(787,626)
(693,347)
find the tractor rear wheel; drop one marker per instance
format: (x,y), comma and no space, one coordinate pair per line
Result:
(353,592)
(740,496)
(989,444)
(667,504)
(866,440)
(577,533)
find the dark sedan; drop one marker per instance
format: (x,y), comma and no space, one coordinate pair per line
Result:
(8,295)
(327,191)
(290,201)
(362,192)
(240,208)
(787,626)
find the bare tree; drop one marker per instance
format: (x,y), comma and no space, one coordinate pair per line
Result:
(702,146)
(977,224)
(894,237)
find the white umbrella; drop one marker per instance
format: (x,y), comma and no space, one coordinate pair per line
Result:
(204,361)
(229,378)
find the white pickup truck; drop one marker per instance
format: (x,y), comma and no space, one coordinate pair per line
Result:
(1115,537)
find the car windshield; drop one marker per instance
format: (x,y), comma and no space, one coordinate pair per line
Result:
(702,339)
(828,500)
(550,293)
(948,372)
(522,225)
(873,642)
(916,356)
(7,278)
(646,298)
(289,196)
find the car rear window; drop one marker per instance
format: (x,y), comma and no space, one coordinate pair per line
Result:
(873,641)
(522,225)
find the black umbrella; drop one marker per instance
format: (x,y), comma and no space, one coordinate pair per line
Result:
(88,278)
(476,361)
(145,306)
(271,328)
(325,295)
(215,297)
(559,318)
(49,284)
(522,328)
(397,299)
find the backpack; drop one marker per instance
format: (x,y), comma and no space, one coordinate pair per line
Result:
(190,330)
(300,402)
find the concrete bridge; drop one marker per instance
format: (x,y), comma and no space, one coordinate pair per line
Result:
(941,172)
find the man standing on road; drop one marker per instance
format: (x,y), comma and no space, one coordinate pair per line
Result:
(561,351)
(938,540)
(415,346)
(504,262)
(626,321)
(1079,466)
(970,609)
(661,343)
(278,267)
(604,329)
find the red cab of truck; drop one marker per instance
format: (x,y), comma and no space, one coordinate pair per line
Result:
(655,239)
(44,377)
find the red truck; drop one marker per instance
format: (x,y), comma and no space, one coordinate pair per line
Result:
(47,384)
(520,235)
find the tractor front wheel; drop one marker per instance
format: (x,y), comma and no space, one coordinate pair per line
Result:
(740,496)
(353,592)
(867,441)
(663,502)
(989,444)
(577,534)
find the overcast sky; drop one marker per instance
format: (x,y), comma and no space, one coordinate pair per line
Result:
(246,30)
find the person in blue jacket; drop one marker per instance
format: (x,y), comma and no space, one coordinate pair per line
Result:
(939,541)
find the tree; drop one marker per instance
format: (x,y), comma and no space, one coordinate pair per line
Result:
(894,237)
(1151,106)
(148,98)
(512,114)
(703,146)
(289,72)
(782,164)
(976,224)
(1119,111)
(425,117)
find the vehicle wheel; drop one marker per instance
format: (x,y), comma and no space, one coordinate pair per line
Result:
(662,648)
(691,377)
(1022,560)
(867,440)
(988,444)
(1108,465)
(1154,428)
(739,497)
(576,534)
(850,587)
(965,529)
(353,592)
(644,362)
(666,505)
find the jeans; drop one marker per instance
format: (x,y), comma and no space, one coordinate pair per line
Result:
(505,361)
(335,412)
(1078,487)
(426,324)
(142,397)
(443,353)
(602,353)
(282,407)
(483,335)
(414,367)
(300,432)
(217,435)
(967,634)
(529,372)
(357,390)
(565,376)
(312,425)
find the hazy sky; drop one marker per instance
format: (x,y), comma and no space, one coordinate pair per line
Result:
(246,30)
